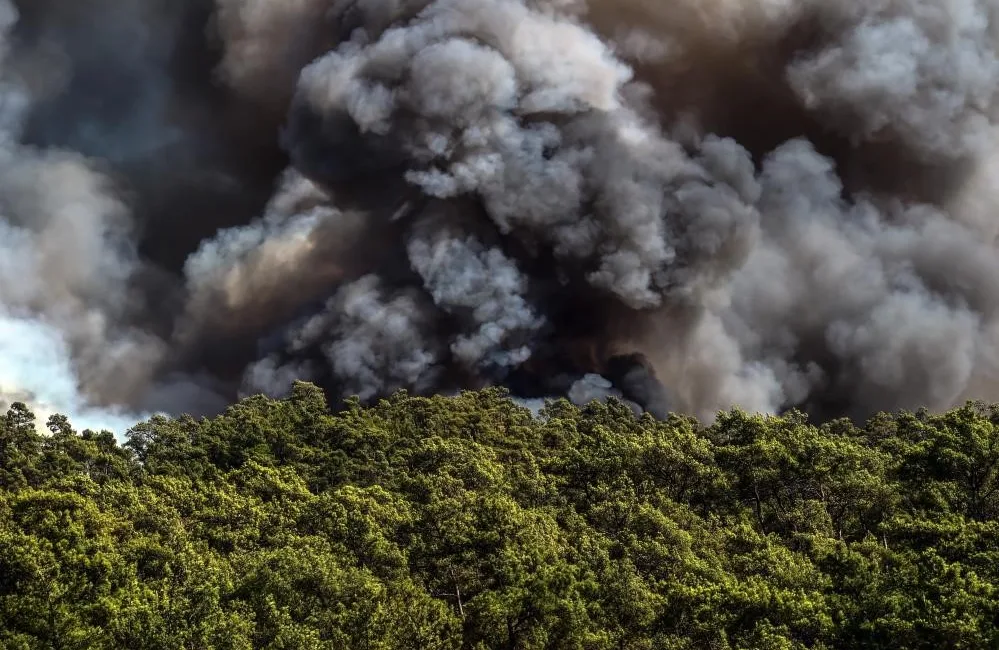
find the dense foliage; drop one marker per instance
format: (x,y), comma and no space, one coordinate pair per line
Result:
(467,523)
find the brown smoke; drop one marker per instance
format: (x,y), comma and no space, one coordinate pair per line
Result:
(685,203)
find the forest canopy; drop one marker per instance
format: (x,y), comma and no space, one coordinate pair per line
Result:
(469,522)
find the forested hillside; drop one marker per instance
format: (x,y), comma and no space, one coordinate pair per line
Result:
(468,523)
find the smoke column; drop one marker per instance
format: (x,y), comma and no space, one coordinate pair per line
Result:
(686,204)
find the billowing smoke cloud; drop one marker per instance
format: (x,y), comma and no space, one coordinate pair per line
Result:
(683,204)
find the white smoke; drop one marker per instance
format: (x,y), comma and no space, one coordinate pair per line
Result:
(35,369)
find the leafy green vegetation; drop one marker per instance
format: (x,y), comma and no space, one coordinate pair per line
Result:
(465,522)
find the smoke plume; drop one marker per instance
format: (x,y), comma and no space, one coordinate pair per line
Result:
(685,204)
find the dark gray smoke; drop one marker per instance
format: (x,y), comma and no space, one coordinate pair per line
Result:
(685,204)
